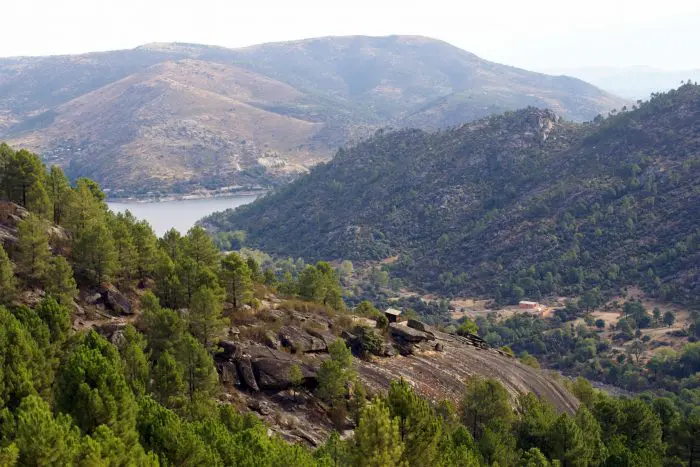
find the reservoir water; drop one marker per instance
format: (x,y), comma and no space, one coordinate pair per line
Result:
(179,214)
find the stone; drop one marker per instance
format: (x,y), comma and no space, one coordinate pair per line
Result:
(439,347)
(298,340)
(271,340)
(115,301)
(229,349)
(415,324)
(228,373)
(93,299)
(404,333)
(388,350)
(245,370)
(261,407)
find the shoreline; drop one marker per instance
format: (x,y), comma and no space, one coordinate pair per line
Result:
(183,197)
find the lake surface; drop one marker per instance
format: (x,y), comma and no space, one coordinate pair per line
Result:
(180,214)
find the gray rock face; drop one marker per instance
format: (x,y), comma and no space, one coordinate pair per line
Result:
(298,340)
(229,373)
(245,370)
(406,334)
(115,301)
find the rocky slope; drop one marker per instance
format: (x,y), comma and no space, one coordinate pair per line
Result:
(519,204)
(255,361)
(180,116)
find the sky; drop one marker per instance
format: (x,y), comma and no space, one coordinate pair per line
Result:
(536,35)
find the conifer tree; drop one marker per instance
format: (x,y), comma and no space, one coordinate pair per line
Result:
(132,350)
(167,383)
(33,250)
(205,316)
(236,279)
(22,364)
(7,279)
(25,181)
(92,389)
(125,249)
(172,244)
(419,426)
(163,327)
(43,439)
(59,193)
(94,252)
(567,442)
(168,287)
(57,318)
(200,377)
(201,249)
(377,439)
(484,400)
(146,245)
(60,282)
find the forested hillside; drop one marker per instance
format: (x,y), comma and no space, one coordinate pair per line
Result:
(523,204)
(128,376)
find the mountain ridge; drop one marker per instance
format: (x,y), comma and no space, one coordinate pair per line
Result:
(523,203)
(340,89)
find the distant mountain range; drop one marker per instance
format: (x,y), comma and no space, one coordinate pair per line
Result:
(635,82)
(175,117)
(520,204)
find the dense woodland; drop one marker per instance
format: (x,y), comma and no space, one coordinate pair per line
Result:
(521,205)
(150,397)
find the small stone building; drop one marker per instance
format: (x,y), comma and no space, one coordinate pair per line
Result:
(392,314)
(525,305)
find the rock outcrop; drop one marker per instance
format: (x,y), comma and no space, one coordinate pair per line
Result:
(259,367)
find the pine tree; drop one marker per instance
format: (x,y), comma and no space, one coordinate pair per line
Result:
(163,327)
(296,377)
(484,400)
(43,439)
(146,245)
(132,350)
(59,193)
(335,372)
(201,249)
(320,284)
(25,181)
(595,451)
(22,363)
(126,254)
(60,283)
(567,442)
(94,252)
(168,287)
(33,250)
(377,439)
(419,426)
(205,316)
(236,280)
(91,388)
(57,318)
(8,286)
(201,380)
(167,383)
(172,244)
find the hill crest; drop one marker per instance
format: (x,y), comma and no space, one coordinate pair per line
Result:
(337,89)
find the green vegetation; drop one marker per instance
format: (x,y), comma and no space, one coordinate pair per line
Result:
(149,395)
(521,205)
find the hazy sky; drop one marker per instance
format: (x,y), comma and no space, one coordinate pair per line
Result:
(538,34)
